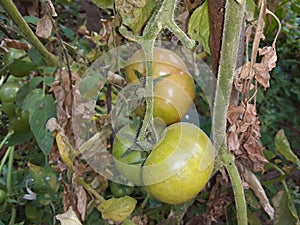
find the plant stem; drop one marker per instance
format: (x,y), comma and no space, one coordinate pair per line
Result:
(13,12)
(11,151)
(5,139)
(229,51)
(148,49)
(4,159)
(162,18)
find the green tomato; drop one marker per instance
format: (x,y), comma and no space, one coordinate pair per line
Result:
(44,179)
(3,196)
(20,121)
(33,213)
(9,108)
(173,95)
(180,164)
(8,91)
(127,157)
(120,190)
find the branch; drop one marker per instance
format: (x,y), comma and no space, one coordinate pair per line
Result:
(17,18)
(229,51)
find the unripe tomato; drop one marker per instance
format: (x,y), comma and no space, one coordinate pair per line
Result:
(180,164)
(120,190)
(3,196)
(174,94)
(9,108)
(20,121)
(8,91)
(127,157)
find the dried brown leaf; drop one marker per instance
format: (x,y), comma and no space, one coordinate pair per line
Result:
(16,44)
(81,201)
(218,201)
(44,27)
(233,140)
(259,191)
(108,27)
(267,63)
(68,196)
(255,152)
(32,8)
(51,8)
(234,112)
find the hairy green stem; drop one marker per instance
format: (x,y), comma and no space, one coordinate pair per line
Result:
(229,51)
(148,49)
(13,12)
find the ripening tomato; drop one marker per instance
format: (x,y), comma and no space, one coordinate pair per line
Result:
(180,164)
(175,93)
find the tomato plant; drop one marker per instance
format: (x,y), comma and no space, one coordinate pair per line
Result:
(120,190)
(174,94)
(180,164)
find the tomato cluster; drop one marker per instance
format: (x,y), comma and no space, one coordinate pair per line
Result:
(18,118)
(181,162)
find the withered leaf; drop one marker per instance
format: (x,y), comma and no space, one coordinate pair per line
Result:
(81,201)
(16,44)
(233,140)
(68,218)
(259,191)
(44,27)
(234,112)
(267,63)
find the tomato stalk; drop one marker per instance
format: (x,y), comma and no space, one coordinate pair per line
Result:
(162,18)
(13,12)
(11,151)
(229,51)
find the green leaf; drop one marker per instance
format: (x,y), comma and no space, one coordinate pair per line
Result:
(251,10)
(21,68)
(282,146)
(253,220)
(31,19)
(20,138)
(198,27)
(104,4)
(67,32)
(41,108)
(117,209)
(135,13)
(285,210)
(22,93)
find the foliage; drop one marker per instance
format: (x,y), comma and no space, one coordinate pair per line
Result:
(44,176)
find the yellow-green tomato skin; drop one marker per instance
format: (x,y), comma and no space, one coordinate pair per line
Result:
(179,165)
(174,94)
